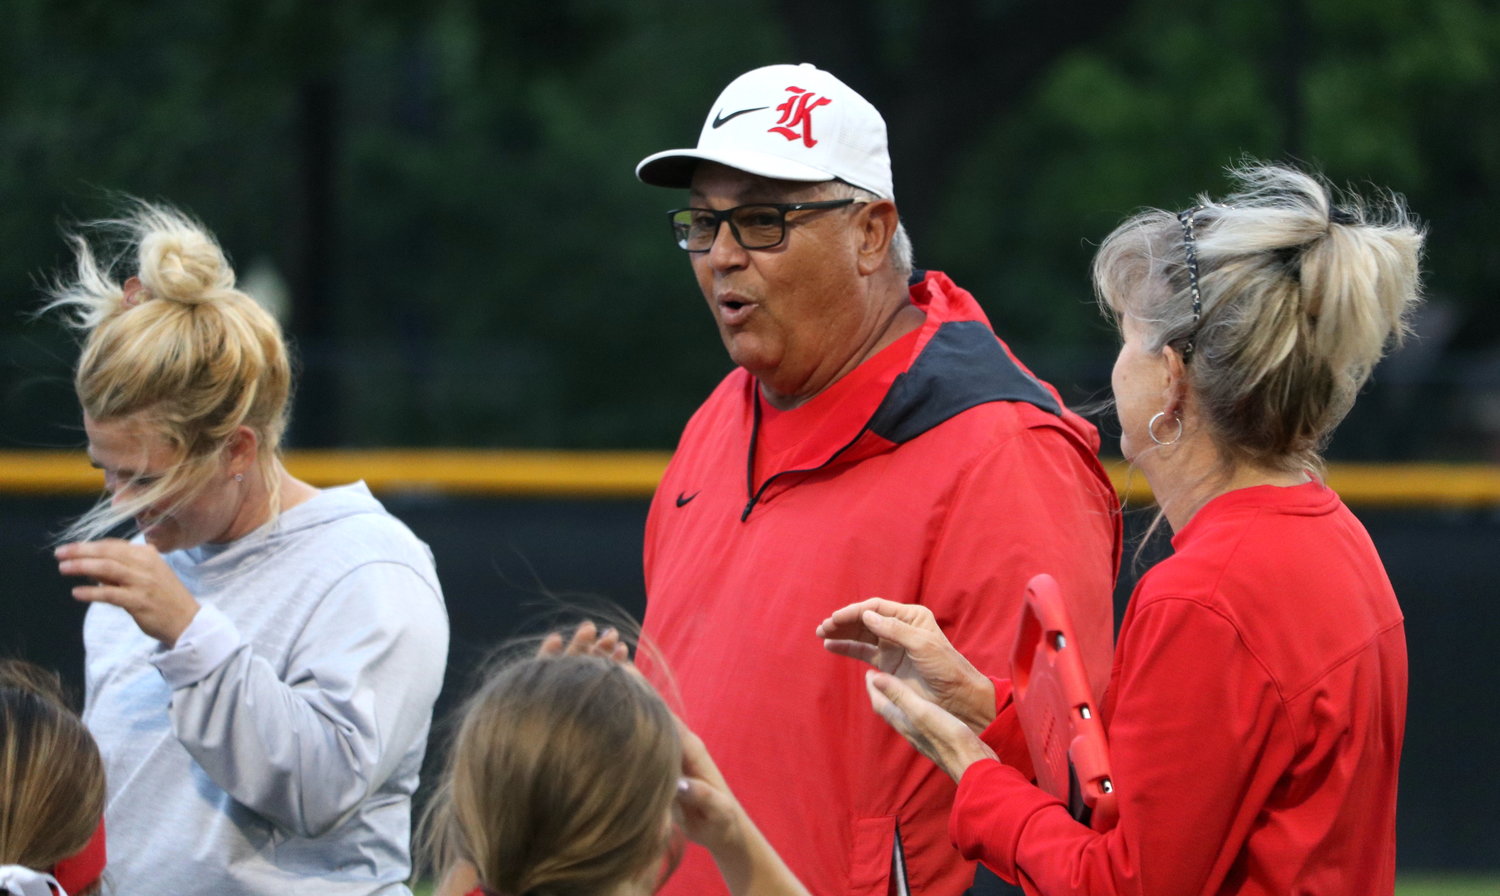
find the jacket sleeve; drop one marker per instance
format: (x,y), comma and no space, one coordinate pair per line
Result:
(305,750)
(1036,502)
(1189,750)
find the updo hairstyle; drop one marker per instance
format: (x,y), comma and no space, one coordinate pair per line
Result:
(186,353)
(1299,298)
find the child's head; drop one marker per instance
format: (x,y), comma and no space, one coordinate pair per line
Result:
(561,779)
(51,776)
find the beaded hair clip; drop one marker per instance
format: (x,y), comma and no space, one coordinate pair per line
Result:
(1336,215)
(1190,251)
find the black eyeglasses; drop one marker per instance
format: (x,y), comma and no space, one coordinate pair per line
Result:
(758,226)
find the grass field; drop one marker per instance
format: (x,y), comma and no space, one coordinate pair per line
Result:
(1436,884)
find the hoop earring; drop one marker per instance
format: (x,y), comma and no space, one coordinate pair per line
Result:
(1151,430)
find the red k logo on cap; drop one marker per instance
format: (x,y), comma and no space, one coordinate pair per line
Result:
(796,113)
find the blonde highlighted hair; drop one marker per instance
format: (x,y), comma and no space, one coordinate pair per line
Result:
(187,354)
(1301,290)
(51,776)
(560,780)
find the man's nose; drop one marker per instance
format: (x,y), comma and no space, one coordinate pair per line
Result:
(725,251)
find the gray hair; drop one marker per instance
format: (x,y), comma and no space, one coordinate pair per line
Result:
(901,251)
(1299,299)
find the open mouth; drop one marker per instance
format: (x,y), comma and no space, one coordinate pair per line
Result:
(733,310)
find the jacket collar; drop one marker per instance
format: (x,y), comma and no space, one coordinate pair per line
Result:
(951,363)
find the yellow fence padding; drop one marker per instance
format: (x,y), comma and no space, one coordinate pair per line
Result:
(633,474)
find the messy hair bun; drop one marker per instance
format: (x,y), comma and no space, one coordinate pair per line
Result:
(1299,294)
(173,345)
(180,262)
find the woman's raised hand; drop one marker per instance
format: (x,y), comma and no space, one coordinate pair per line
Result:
(904,641)
(936,733)
(133,577)
(587,640)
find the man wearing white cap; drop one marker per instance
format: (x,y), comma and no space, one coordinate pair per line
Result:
(875,439)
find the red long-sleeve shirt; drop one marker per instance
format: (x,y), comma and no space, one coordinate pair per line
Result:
(1255,715)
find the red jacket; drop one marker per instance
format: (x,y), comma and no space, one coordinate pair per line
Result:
(940,472)
(1255,716)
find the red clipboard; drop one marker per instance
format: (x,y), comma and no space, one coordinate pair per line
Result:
(1064,733)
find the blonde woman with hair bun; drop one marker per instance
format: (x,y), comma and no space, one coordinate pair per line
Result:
(262,656)
(1257,704)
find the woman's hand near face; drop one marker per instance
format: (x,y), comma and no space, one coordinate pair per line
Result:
(904,640)
(712,817)
(710,813)
(133,577)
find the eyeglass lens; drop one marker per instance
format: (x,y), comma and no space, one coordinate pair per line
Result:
(753,226)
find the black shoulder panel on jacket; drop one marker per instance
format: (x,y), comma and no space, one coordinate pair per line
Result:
(962,366)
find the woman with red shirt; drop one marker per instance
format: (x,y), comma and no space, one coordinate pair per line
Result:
(1256,704)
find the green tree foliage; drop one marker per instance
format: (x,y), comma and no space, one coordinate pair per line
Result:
(446,188)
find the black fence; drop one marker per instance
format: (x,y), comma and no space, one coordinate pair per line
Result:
(506,563)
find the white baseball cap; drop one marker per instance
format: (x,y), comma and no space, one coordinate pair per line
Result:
(790,122)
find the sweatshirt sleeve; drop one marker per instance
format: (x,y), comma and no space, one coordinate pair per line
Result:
(305,750)
(1189,746)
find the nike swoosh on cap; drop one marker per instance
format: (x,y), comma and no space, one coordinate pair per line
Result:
(683,498)
(720,119)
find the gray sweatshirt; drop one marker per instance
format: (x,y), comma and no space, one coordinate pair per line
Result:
(275,748)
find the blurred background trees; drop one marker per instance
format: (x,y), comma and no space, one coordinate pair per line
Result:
(440,195)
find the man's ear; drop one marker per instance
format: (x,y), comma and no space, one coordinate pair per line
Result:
(878,222)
